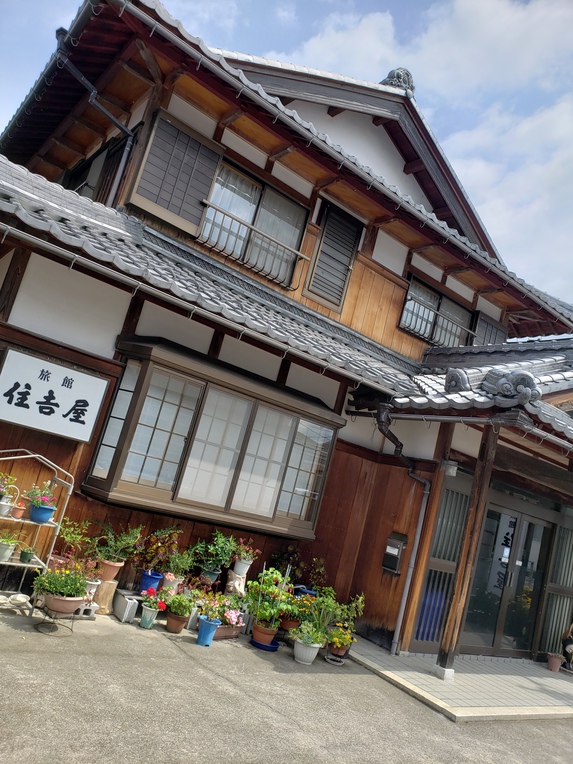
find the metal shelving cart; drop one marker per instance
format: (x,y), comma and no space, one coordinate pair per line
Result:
(59,478)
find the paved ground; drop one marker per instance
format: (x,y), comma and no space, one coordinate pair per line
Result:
(112,692)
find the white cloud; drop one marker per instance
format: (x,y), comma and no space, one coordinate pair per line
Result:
(286,14)
(199,17)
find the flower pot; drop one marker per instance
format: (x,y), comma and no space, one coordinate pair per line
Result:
(41,514)
(173,584)
(554,662)
(305,654)
(227,632)
(175,623)
(17,512)
(263,635)
(148,616)
(109,569)
(241,567)
(149,579)
(6,551)
(26,556)
(207,629)
(91,589)
(289,623)
(6,507)
(212,575)
(62,606)
(340,652)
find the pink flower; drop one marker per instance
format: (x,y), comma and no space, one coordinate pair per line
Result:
(168,576)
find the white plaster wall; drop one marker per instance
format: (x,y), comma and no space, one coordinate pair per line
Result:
(362,431)
(69,307)
(423,265)
(490,310)
(459,288)
(419,438)
(291,179)
(249,358)
(371,145)
(161,322)
(466,439)
(191,116)
(307,381)
(390,253)
(245,149)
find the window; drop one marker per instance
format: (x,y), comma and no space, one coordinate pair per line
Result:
(333,264)
(211,451)
(436,318)
(254,224)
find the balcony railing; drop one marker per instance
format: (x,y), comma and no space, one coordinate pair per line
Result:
(426,322)
(229,235)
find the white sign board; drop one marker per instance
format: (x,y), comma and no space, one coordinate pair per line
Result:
(50,397)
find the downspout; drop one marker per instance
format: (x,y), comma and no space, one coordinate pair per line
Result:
(383,421)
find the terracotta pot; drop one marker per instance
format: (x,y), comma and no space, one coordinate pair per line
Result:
(17,512)
(110,569)
(289,623)
(339,651)
(554,662)
(175,623)
(62,606)
(263,635)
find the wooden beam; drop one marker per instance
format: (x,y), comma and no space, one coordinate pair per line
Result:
(138,71)
(12,281)
(510,460)
(334,111)
(276,155)
(65,143)
(283,373)
(475,517)
(85,122)
(150,61)
(54,162)
(441,212)
(216,343)
(416,165)
(224,122)
(378,121)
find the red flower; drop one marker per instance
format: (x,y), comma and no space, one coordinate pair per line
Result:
(161,605)
(151,591)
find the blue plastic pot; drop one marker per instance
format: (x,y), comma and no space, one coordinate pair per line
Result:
(207,630)
(40,514)
(149,578)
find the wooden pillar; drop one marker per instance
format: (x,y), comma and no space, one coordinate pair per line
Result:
(13,280)
(441,452)
(460,589)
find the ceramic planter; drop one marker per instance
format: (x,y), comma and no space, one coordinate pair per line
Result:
(6,551)
(340,652)
(174,584)
(554,661)
(263,635)
(148,616)
(305,654)
(17,512)
(62,607)
(110,569)
(175,623)
(241,567)
(289,623)
(91,589)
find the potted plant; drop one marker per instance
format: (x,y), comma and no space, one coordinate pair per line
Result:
(244,556)
(9,493)
(152,602)
(309,637)
(179,608)
(231,616)
(339,640)
(290,616)
(208,620)
(176,566)
(63,591)
(8,543)
(27,553)
(214,555)
(112,549)
(555,661)
(42,502)
(151,552)
(75,537)
(265,599)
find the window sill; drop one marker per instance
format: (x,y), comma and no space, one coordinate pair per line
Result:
(154,500)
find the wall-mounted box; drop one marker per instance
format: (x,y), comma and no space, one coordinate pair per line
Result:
(395,547)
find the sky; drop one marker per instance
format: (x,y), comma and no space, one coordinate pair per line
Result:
(493,78)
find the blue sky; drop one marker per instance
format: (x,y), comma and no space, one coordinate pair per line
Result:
(494,79)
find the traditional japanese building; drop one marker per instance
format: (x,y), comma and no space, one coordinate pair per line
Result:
(252,296)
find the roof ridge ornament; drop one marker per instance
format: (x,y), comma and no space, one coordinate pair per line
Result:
(518,384)
(400,78)
(457,381)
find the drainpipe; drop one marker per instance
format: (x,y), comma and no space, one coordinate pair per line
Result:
(383,421)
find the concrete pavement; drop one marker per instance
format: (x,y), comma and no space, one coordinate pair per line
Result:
(113,692)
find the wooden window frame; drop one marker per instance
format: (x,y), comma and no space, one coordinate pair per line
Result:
(117,491)
(470,332)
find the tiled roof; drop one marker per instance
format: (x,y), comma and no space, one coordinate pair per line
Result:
(124,244)
(497,386)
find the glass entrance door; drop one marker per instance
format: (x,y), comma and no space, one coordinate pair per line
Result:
(507,584)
